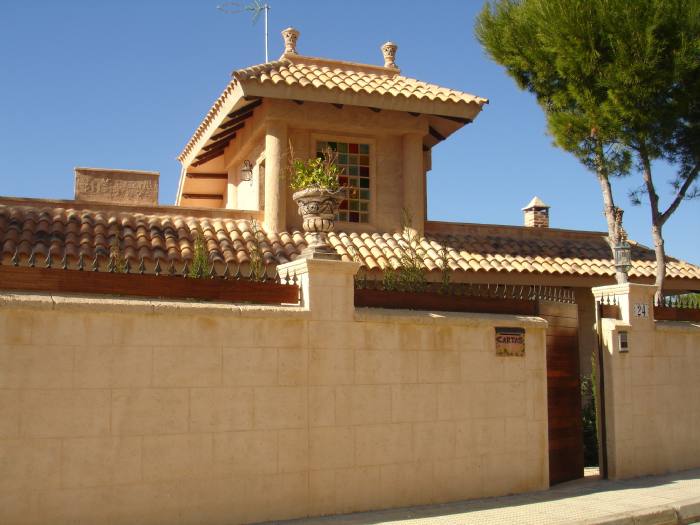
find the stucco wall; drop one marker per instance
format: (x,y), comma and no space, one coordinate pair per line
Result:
(652,391)
(115,411)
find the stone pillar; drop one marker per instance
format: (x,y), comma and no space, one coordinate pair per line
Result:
(327,287)
(275,179)
(636,302)
(413,174)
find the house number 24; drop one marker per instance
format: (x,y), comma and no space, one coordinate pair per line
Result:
(641,310)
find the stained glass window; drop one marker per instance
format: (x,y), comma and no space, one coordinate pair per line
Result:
(353,159)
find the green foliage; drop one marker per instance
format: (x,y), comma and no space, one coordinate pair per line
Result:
(116,255)
(321,172)
(410,274)
(200,265)
(445,272)
(618,81)
(258,270)
(590,429)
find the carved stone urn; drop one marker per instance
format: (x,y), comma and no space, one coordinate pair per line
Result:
(318,208)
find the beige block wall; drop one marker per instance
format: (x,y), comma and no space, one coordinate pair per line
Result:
(115,411)
(652,391)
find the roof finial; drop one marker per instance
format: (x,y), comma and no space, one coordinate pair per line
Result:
(389,52)
(290,36)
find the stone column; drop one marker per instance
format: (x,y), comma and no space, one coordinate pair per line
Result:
(275,179)
(413,193)
(636,302)
(327,287)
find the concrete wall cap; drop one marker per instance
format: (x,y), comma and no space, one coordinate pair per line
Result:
(302,266)
(620,289)
(122,305)
(678,326)
(426,317)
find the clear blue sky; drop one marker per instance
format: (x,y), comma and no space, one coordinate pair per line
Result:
(123,84)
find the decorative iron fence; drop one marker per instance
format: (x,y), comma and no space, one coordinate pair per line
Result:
(677,308)
(109,276)
(462,297)
(609,307)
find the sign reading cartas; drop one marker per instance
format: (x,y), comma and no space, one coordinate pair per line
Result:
(510,341)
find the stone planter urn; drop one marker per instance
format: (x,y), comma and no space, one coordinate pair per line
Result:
(318,208)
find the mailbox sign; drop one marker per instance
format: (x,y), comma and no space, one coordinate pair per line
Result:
(510,341)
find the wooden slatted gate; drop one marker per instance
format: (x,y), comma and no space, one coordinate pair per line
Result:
(563,392)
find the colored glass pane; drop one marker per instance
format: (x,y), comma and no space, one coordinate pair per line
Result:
(353,161)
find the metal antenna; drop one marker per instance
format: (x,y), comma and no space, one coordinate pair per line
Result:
(256,7)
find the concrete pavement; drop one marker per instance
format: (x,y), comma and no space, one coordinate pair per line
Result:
(654,500)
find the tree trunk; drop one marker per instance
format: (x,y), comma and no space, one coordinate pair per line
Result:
(657,223)
(609,208)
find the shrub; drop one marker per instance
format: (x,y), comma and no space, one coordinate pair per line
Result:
(321,172)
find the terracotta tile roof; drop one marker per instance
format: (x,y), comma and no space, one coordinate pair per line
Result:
(349,77)
(341,82)
(166,233)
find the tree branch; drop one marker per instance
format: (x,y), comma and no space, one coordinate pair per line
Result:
(692,175)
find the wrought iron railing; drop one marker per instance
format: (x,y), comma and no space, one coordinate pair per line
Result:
(230,282)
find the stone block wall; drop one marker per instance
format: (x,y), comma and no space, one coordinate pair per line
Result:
(119,411)
(652,391)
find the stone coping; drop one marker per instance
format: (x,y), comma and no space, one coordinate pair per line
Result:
(70,302)
(678,326)
(428,317)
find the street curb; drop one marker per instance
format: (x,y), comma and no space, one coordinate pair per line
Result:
(682,512)
(687,510)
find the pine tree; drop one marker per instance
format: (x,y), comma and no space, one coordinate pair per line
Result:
(618,82)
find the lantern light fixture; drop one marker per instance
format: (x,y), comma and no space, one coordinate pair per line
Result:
(246,171)
(623,255)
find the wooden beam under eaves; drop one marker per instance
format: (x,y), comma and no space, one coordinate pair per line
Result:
(204,158)
(209,176)
(230,131)
(203,196)
(236,120)
(222,143)
(246,108)
(435,133)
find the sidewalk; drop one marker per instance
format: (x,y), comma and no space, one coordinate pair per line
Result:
(654,500)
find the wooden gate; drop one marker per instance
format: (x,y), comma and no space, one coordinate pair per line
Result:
(563,392)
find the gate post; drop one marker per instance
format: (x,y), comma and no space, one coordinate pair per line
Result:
(632,333)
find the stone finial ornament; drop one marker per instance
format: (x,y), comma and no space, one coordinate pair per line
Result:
(290,36)
(389,52)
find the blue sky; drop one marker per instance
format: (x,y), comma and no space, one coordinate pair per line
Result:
(123,84)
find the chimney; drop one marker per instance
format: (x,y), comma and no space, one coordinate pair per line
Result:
(389,53)
(116,186)
(536,214)
(290,36)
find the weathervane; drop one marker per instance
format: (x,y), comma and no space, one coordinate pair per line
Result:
(256,7)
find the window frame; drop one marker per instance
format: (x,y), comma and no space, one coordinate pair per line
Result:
(328,137)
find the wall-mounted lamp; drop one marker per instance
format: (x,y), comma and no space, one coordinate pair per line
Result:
(247,171)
